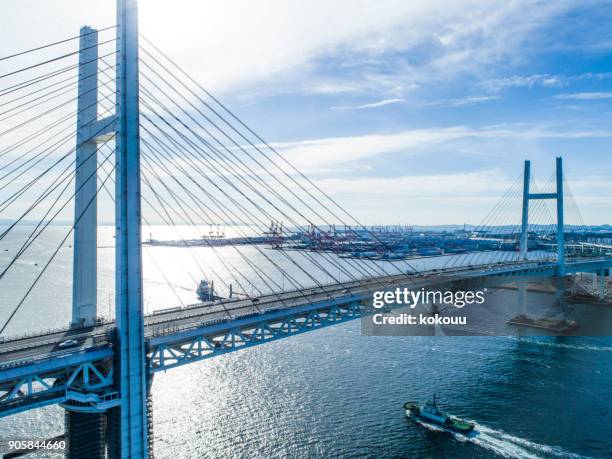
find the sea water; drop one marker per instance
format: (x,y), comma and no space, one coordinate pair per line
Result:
(330,392)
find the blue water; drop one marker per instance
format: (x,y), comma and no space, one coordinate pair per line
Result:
(333,392)
(336,393)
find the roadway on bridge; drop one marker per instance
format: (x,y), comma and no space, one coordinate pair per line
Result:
(163,322)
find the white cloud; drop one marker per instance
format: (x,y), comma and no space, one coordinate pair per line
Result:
(453,197)
(319,154)
(344,46)
(432,199)
(462,102)
(585,96)
(424,186)
(526,81)
(542,80)
(326,152)
(471,100)
(333,87)
(286,44)
(381,103)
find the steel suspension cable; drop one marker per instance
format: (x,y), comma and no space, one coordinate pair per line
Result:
(297,284)
(263,142)
(57,58)
(146,248)
(42,174)
(41,156)
(149,224)
(46,76)
(249,171)
(65,40)
(52,125)
(161,201)
(220,174)
(34,235)
(197,184)
(49,261)
(489,217)
(224,147)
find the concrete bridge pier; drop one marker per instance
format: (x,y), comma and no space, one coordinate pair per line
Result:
(112,432)
(602,283)
(522,295)
(560,298)
(149,403)
(85,434)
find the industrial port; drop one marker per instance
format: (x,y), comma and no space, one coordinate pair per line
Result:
(400,242)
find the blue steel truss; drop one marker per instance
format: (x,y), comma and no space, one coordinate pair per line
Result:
(210,341)
(83,379)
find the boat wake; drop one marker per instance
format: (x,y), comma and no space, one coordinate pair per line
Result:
(504,444)
(507,445)
(564,345)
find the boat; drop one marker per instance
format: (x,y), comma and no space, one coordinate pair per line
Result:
(206,291)
(431,414)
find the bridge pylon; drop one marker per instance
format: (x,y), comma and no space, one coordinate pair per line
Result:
(558,197)
(85,428)
(131,374)
(125,428)
(84,285)
(90,132)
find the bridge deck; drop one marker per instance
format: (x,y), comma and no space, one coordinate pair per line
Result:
(34,368)
(167,322)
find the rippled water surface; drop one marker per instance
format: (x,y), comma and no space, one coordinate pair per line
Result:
(333,392)
(336,393)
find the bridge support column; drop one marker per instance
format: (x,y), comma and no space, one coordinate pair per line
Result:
(114,423)
(85,434)
(130,367)
(560,298)
(113,432)
(150,428)
(522,295)
(85,430)
(558,196)
(602,284)
(560,218)
(525,213)
(84,285)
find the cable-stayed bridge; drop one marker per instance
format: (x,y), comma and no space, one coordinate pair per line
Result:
(125,128)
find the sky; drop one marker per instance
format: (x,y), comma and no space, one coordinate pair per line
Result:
(404,111)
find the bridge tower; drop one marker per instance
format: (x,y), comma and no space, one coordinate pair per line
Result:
(85,427)
(128,423)
(126,427)
(558,196)
(84,285)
